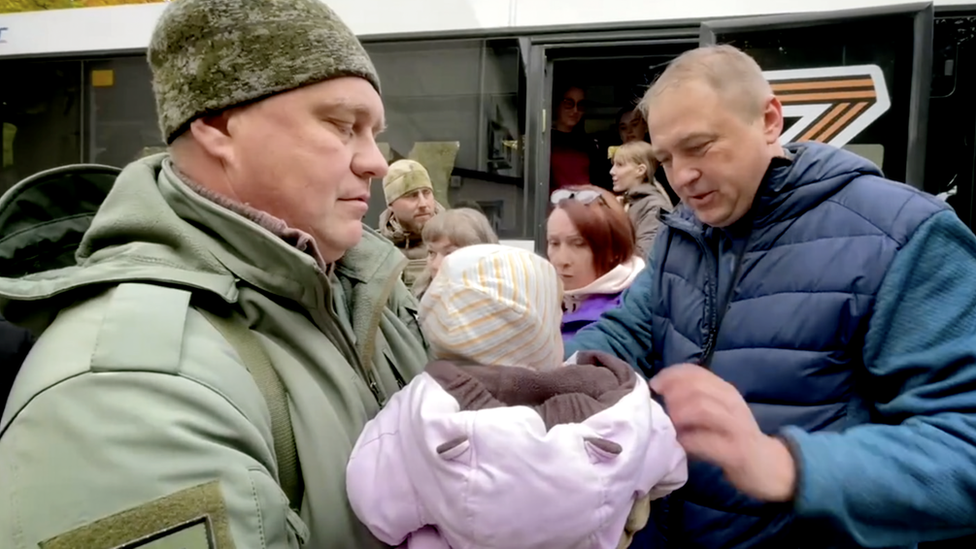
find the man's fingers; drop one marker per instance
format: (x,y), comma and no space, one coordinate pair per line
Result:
(699,413)
(703,444)
(667,379)
(712,393)
(680,375)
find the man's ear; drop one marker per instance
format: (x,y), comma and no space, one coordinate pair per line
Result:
(213,133)
(773,120)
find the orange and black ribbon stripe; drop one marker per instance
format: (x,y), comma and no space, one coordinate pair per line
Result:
(848,96)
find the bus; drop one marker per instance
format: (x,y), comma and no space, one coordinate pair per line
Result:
(468,85)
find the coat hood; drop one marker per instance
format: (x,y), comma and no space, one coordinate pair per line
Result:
(152,227)
(511,457)
(814,173)
(613,282)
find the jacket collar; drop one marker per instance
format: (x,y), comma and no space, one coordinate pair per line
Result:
(808,174)
(268,252)
(251,247)
(612,283)
(643,189)
(595,380)
(153,227)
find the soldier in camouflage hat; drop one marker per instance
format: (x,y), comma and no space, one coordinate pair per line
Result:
(234,324)
(410,205)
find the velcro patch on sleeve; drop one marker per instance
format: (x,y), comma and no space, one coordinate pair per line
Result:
(195,518)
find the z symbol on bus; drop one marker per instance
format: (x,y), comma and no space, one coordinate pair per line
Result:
(832,104)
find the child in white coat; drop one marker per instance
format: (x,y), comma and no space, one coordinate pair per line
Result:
(499,444)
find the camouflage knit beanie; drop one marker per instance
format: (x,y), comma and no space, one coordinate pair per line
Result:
(404,177)
(209,55)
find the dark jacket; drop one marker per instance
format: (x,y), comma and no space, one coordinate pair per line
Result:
(577,159)
(15,343)
(851,333)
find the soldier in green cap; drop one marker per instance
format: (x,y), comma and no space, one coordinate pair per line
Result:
(145,417)
(410,205)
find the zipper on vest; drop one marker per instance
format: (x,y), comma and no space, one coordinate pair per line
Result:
(332,328)
(715,309)
(369,346)
(721,307)
(711,301)
(366,374)
(710,290)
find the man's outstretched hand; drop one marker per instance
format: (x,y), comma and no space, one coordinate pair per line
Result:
(715,424)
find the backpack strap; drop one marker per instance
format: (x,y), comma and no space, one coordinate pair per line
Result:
(258,363)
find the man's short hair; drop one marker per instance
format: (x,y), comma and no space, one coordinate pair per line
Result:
(729,71)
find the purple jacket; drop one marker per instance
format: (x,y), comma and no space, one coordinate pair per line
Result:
(588,313)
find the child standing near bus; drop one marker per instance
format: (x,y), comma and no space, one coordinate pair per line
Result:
(448,232)
(499,443)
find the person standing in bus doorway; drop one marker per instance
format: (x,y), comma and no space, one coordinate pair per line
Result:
(810,326)
(631,125)
(574,157)
(135,420)
(410,204)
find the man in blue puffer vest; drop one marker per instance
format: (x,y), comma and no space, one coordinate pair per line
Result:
(810,326)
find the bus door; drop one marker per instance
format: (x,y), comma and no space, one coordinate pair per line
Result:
(608,72)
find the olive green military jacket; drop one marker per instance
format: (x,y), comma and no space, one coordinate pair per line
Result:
(134,423)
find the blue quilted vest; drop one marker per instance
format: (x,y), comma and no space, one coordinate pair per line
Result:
(820,237)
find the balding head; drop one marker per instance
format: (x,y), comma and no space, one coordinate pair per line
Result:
(732,73)
(715,125)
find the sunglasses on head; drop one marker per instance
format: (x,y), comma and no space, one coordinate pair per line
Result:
(585,196)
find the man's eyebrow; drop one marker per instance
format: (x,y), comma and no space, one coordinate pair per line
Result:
(691,140)
(358,110)
(695,139)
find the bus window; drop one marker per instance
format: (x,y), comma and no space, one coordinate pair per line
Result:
(122,115)
(40,112)
(856,89)
(951,153)
(457,107)
(9,133)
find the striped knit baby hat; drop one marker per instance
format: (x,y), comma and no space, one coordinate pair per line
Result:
(494,305)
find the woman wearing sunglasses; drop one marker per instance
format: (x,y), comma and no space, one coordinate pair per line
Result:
(575,157)
(590,242)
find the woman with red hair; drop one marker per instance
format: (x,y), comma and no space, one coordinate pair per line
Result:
(590,241)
